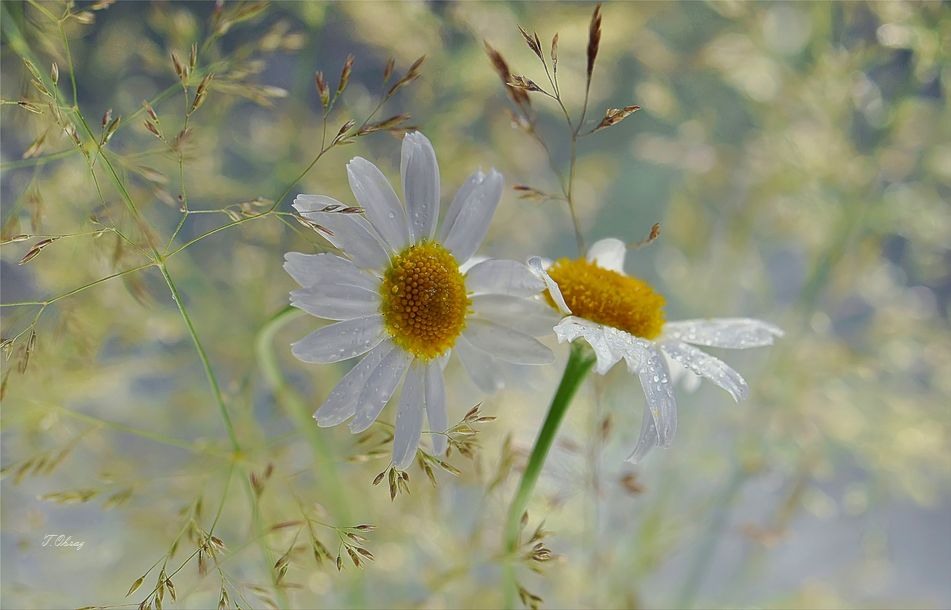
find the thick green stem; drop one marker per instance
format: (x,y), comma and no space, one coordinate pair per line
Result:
(579,363)
(300,411)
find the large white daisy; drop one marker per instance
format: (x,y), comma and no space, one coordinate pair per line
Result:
(402,302)
(621,317)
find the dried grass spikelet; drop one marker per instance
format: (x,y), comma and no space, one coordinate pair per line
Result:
(518,95)
(594,40)
(613,116)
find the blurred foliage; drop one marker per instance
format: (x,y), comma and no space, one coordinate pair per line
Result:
(796,154)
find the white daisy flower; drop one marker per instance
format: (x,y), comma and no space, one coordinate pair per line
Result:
(621,317)
(402,302)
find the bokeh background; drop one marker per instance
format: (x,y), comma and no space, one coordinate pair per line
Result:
(796,155)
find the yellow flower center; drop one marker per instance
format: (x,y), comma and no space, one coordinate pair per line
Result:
(608,297)
(424,301)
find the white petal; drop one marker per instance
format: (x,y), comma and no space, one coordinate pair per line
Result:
(646,441)
(506,343)
(336,302)
(608,253)
(436,407)
(468,218)
(420,175)
(340,341)
(659,392)
(634,350)
(707,366)
(351,233)
(535,264)
(503,277)
(473,182)
(379,388)
(484,371)
(571,327)
(310,269)
(409,417)
(382,207)
(341,403)
(529,316)
(736,333)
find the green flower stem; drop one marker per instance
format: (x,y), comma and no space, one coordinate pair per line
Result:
(579,363)
(325,462)
(300,411)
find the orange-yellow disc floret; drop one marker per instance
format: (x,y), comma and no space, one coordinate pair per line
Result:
(424,301)
(608,297)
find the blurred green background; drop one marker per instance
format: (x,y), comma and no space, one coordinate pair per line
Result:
(796,154)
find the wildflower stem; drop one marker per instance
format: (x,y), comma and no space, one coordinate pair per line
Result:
(579,363)
(299,411)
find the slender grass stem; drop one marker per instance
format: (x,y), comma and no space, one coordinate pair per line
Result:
(203,356)
(579,364)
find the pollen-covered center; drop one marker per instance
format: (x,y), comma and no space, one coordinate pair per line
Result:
(424,300)
(608,297)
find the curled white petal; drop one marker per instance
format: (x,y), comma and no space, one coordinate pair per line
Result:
(658,390)
(572,327)
(734,333)
(506,343)
(420,175)
(436,407)
(340,341)
(608,253)
(646,441)
(409,417)
(379,389)
(467,220)
(311,269)
(529,316)
(341,403)
(503,277)
(537,267)
(707,366)
(380,203)
(336,302)
(350,233)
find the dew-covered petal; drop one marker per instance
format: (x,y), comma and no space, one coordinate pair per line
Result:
(336,302)
(382,207)
(735,333)
(311,269)
(473,182)
(572,327)
(646,441)
(420,175)
(350,233)
(608,253)
(340,341)
(341,403)
(659,392)
(506,343)
(536,266)
(468,218)
(529,316)
(484,371)
(379,388)
(634,350)
(503,277)
(409,417)
(436,407)
(707,366)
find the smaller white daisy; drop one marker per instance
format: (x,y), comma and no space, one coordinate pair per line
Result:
(621,317)
(404,298)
